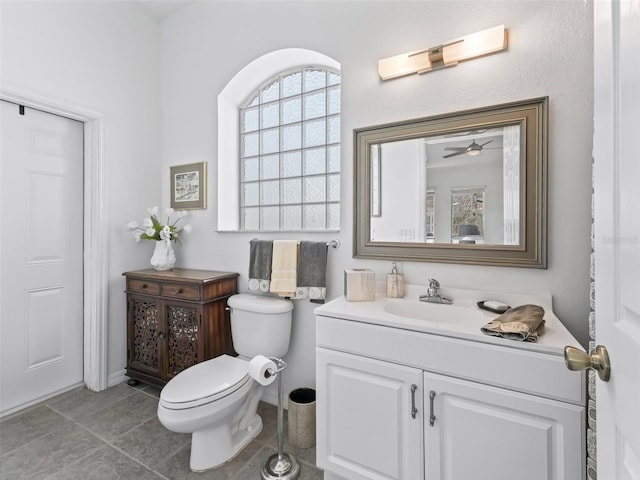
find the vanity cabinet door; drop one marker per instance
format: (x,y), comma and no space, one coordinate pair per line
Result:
(369,418)
(481,431)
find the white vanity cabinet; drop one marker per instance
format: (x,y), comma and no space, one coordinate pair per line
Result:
(406,402)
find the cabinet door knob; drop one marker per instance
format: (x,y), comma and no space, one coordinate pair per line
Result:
(161,336)
(180,290)
(576,359)
(144,285)
(414,410)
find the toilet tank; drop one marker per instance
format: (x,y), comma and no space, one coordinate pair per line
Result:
(260,325)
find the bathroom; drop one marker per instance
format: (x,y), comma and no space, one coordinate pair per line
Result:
(155,83)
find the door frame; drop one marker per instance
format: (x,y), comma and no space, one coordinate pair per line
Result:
(95,233)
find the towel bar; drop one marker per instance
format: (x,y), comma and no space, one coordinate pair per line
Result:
(331,243)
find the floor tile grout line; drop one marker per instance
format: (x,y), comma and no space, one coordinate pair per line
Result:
(92,412)
(109,444)
(40,437)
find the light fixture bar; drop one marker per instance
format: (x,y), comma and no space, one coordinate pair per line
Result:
(448,54)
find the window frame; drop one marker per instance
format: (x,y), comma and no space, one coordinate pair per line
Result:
(234,94)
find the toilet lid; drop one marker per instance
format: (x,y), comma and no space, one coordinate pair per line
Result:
(206,381)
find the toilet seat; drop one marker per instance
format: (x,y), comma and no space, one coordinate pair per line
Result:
(205,382)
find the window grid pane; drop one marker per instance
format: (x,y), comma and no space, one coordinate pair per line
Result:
(290,153)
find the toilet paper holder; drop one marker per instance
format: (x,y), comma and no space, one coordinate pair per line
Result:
(280,366)
(280,466)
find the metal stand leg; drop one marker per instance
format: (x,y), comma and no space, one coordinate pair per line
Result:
(280,466)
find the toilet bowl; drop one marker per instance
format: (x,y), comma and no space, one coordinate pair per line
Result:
(216,400)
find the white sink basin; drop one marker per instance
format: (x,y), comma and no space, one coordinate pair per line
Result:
(432,312)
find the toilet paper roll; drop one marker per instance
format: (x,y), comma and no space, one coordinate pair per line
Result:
(262,370)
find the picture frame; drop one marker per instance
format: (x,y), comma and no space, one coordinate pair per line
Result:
(189,186)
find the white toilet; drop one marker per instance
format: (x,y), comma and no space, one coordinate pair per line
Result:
(217,400)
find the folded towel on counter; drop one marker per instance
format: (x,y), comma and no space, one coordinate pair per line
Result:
(283,267)
(518,323)
(260,256)
(312,271)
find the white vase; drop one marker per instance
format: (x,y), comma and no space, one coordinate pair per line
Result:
(163,257)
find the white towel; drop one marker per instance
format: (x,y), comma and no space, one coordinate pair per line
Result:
(283,267)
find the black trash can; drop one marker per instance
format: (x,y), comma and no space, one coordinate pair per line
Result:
(302,418)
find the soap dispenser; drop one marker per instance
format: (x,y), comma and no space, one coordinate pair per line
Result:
(395,283)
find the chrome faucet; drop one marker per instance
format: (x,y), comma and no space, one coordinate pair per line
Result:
(433,294)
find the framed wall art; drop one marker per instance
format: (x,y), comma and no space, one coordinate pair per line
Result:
(189,186)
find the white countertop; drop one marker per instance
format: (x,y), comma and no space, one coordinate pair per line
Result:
(553,337)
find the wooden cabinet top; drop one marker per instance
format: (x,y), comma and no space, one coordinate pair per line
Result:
(182,275)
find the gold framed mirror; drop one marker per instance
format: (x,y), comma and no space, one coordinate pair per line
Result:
(466,187)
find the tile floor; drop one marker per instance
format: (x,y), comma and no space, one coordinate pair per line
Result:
(115,434)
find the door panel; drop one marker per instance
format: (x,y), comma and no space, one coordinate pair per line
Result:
(365,427)
(617,233)
(41,244)
(486,432)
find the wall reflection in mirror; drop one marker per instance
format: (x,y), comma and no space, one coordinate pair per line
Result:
(460,187)
(464,187)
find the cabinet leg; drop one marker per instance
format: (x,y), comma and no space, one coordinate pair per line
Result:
(132,382)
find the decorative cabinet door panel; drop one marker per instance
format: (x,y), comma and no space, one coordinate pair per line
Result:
(184,337)
(144,333)
(481,431)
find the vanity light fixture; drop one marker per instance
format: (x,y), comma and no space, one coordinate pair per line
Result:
(448,54)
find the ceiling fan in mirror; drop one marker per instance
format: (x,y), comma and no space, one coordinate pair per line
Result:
(472,149)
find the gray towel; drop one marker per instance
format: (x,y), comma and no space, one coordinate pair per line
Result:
(312,271)
(518,323)
(260,255)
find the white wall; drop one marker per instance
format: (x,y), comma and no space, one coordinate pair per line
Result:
(103,56)
(550,53)
(157,87)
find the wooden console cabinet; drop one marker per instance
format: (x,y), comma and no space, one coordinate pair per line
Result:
(175,319)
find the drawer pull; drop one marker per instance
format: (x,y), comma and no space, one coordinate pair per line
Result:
(432,417)
(144,285)
(180,290)
(414,410)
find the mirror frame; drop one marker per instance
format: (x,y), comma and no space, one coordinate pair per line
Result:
(531,252)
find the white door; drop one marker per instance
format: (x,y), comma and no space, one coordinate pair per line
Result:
(41,254)
(476,431)
(369,418)
(617,233)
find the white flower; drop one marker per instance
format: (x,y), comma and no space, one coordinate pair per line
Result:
(169,211)
(165,233)
(137,235)
(146,223)
(150,231)
(153,211)
(187,228)
(132,225)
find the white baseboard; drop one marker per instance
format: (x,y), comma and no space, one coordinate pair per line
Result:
(41,399)
(116,378)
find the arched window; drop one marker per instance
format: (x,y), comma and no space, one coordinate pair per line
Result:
(287,173)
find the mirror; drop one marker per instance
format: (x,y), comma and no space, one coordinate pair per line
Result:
(467,187)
